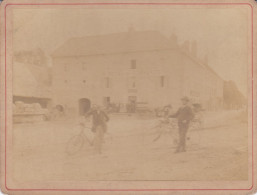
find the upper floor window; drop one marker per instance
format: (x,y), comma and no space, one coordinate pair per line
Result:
(133,64)
(132,82)
(162,81)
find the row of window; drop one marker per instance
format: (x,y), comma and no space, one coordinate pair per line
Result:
(132,85)
(66,81)
(131,82)
(133,65)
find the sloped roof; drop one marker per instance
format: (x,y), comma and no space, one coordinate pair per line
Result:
(131,41)
(123,42)
(202,64)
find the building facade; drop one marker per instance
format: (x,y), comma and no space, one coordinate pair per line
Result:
(142,66)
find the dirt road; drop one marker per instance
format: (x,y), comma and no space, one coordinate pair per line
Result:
(216,152)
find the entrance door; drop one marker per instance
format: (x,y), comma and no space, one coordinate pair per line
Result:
(84,106)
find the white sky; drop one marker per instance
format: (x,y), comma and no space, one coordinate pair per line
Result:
(222,34)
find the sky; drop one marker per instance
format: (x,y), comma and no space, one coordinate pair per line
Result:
(221,33)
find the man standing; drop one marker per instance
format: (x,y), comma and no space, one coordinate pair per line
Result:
(99,127)
(99,118)
(184,116)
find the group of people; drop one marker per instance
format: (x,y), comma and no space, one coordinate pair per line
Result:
(184,116)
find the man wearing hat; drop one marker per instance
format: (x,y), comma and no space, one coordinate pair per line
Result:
(99,117)
(184,116)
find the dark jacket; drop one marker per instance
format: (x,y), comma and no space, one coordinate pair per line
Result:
(99,118)
(184,115)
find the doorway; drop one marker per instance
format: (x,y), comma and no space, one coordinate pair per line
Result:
(84,106)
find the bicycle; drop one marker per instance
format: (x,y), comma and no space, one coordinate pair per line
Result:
(197,123)
(76,143)
(170,127)
(165,126)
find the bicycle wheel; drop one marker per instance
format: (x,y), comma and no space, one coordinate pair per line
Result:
(74,144)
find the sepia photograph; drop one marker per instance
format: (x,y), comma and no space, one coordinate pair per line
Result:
(128,93)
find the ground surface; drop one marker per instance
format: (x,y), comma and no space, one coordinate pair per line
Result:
(216,152)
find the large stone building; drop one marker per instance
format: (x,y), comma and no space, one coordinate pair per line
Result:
(141,65)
